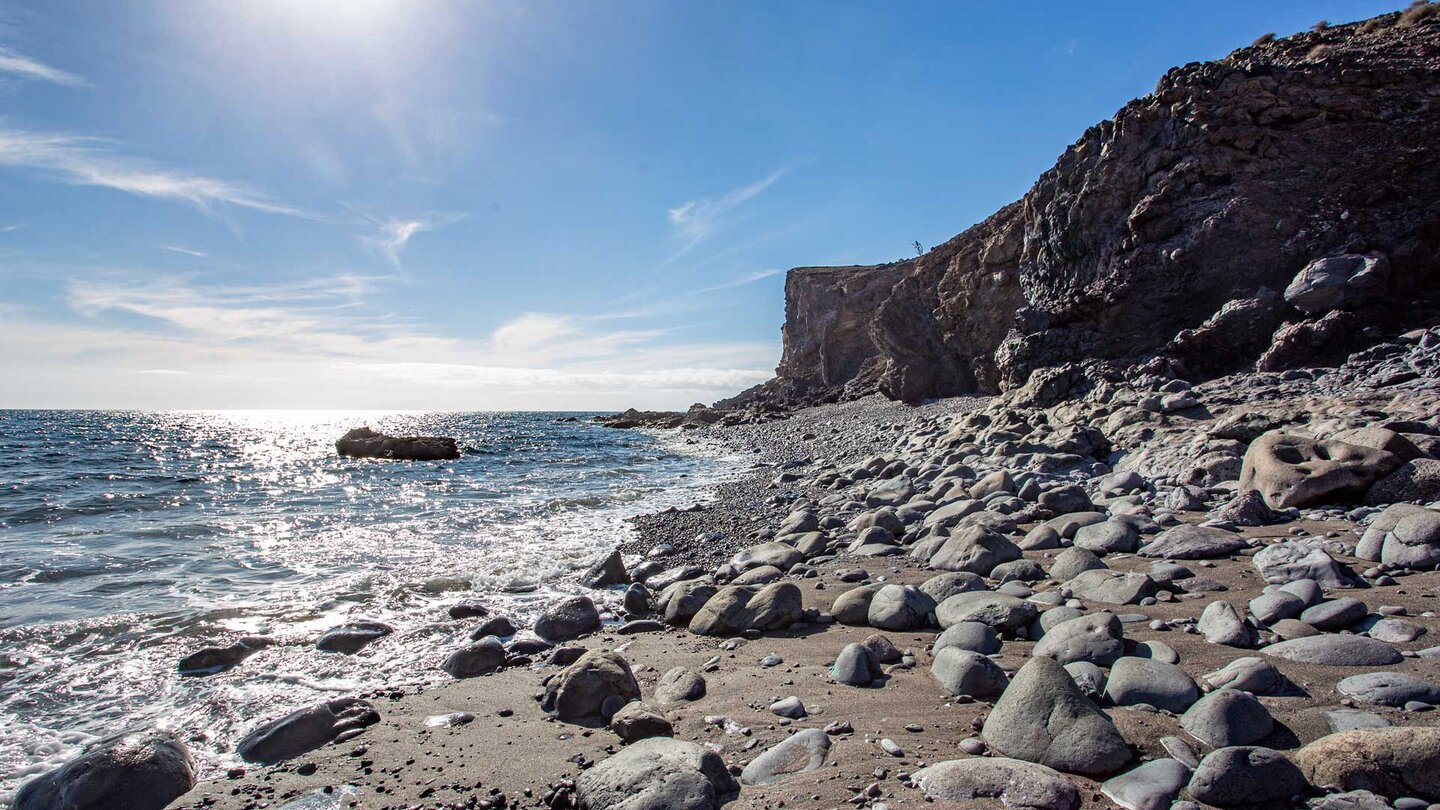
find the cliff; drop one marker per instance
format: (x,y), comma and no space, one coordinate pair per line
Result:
(1173,235)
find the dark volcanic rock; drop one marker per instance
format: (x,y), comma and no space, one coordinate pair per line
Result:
(214,660)
(366,443)
(305,730)
(147,772)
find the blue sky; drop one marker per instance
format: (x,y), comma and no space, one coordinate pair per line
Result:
(496,205)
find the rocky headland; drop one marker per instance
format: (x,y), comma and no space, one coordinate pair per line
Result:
(1127,496)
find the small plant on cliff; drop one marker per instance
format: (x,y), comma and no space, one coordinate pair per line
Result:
(1370,26)
(1418,12)
(1263,39)
(1320,26)
(919,248)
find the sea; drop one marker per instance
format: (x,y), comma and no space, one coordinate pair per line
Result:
(130,539)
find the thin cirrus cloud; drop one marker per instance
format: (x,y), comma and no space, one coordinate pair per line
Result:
(739,281)
(184,250)
(19,65)
(83,161)
(394,234)
(696,220)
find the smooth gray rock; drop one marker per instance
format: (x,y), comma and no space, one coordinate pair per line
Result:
(1228,717)
(900,608)
(679,685)
(1302,559)
(1271,607)
(1308,590)
(791,707)
(657,773)
(1097,638)
(569,618)
(305,730)
(1395,631)
(683,599)
(1157,651)
(1190,542)
(1250,674)
(801,752)
(975,549)
(1220,623)
(479,658)
(1073,562)
(856,665)
(1021,570)
(1349,800)
(351,637)
(585,692)
(1003,612)
(1112,587)
(1388,689)
(1087,676)
(606,571)
(636,721)
(1139,680)
(1152,786)
(1246,775)
(1017,784)
(973,636)
(1044,717)
(1334,614)
(962,672)
(1339,720)
(774,553)
(737,608)
(943,586)
(139,772)
(1110,537)
(853,606)
(1336,650)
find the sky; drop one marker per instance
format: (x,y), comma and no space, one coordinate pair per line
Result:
(435,204)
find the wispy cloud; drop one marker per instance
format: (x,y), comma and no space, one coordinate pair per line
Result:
(740,281)
(10,228)
(394,234)
(187,251)
(86,161)
(24,67)
(695,220)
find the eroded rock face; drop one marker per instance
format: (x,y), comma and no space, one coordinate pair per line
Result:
(1284,166)
(1291,470)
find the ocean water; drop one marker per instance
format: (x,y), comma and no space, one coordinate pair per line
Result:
(129,539)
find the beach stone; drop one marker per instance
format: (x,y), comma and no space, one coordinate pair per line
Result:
(636,601)
(134,772)
(636,721)
(1293,628)
(1228,717)
(569,618)
(799,522)
(884,518)
(1395,631)
(1181,750)
(498,626)
(683,599)
(1414,541)
(1392,762)
(1221,624)
(1018,571)
(657,773)
(853,606)
(1272,606)
(973,636)
(885,650)
(679,685)
(1018,785)
(1157,651)
(760,575)
(479,658)
(1245,775)
(351,637)
(1308,590)
(1249,674)
(1096,638)
(962,672)
(582,692)
(1039,538)
(943,586)
(776,554)
(737,608)
(1351,719)
(1003,612)
(1247,508)
(1423,530)
(790,707)
(1073,562)
(1336,650)
(1087,676)
(893,492)
(1044,717)
(214,660)
(1336,614)
(606,571)
(1140,680)
(974,549)
(1301,559)
(1290,470)
(1110,537)
(304,730)
(1054,616)
(1066,499)
(1350,800)
(900,608)
(1190,542)
(1393,689)
(1112,587)
(1415,480)
(1152,786)
(801,752)
(856,665)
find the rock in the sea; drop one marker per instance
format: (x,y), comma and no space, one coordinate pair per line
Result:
(856,665)
(352,637)
(1152,786)
(962,672)
(137,772)
(1112,587)
(1001,611)
(1336,651)
(366,443)
(606,571)
(679,685)
(214,660)
(801,752)
(636,721)
(590,690)
(1388,689)
(1220,623)
(1018,785)
(1097,638)
(1290,470)
(305,730)
(737,608)
(1393,762)
(480,658)
(1044,717)
(1242,776)
(1189,542)
(900,608)
(569,618)
(1154,683)
(658,773)
(1228,717)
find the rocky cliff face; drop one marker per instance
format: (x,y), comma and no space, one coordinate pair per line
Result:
(1280,206)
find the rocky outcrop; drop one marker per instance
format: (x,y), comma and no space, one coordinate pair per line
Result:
(1271,206)
(366,443)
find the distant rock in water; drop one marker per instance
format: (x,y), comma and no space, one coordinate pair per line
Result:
(366,443)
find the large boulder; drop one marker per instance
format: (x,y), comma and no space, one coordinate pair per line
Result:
(1152,786)
(303,731)
(1290,470)
(140,772)
(963,672)
(1188,542)
(737,608)
(974,549)
(801,752)
(900,608)
(1150,682)
(606,571)
(683,599)
(366,443)
(1338,282)
(1112,587)
(569,618)
(1004,612)
(1097,638)
(658,773)
(1393,762)
(1336,650)
(1228,717)
(1403,535)
(591,690)
(1044,717)
(1018,785)
(1244,776)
